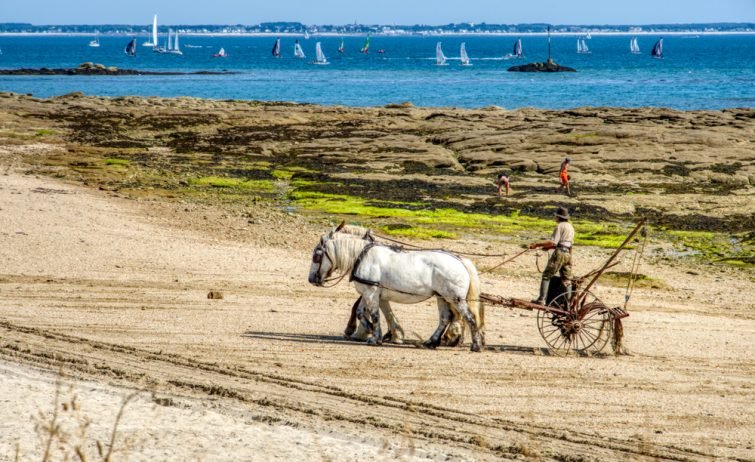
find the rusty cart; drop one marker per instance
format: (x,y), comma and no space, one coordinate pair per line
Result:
(583,324)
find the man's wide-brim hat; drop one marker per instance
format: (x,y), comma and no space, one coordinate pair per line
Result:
(562,212)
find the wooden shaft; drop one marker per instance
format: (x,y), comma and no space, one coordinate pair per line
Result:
(613,257)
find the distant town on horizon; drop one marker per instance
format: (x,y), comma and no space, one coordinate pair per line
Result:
(417,29)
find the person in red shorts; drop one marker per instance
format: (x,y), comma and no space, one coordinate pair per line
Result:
(564,175)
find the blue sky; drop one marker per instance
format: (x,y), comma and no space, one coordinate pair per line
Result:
(377,11)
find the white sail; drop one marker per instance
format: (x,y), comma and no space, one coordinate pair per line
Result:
(175,49)
(154,30)
(464,57)
(440,58)
(634,47)
(153,42)
(169,43)
(582,46)
(298,52)
(518,48)
(320,55)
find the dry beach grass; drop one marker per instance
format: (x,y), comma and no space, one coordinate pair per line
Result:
(119,216)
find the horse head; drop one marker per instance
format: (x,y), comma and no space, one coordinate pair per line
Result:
(322,263)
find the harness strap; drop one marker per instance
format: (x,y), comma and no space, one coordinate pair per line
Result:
(357,262)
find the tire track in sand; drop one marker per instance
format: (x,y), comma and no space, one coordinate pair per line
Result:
(294,400)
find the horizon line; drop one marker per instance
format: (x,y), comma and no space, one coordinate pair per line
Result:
(355,24)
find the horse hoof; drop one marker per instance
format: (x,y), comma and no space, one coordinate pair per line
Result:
(476,348)
(373,342)
(430,345)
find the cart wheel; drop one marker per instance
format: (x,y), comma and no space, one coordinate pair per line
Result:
(586,329)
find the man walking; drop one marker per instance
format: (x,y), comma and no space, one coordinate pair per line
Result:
(560,261)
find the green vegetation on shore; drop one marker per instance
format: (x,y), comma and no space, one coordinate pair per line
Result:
(445,222)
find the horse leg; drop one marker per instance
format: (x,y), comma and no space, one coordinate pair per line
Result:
(395,333)
(364,327)
(454,334)
(371,303)
(444,319)
(351,325)
(463,309)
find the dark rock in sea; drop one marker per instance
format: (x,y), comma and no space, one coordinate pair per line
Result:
(98,69)
(548,66)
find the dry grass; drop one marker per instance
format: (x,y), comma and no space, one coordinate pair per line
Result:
(65,432)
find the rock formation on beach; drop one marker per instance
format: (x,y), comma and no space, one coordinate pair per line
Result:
(685,170)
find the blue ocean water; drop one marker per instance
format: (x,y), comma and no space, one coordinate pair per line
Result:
(698,72)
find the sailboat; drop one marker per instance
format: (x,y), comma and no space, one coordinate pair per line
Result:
(153,42)
(582,46)
(96,42)
(634,47)
(464,58)
(440,58)
(220,54)
(657,51)
(166,47)
(306,34)
(298,52)
(175,49)
(277,48)
(366,48)
(341,47)
(518,49)
(131,47)
(588,36)
(320,56)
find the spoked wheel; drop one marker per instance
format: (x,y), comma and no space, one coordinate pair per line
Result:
(586,329)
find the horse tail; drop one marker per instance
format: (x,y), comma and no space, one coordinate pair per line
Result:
(473,294)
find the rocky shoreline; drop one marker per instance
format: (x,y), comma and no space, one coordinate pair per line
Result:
(99,69)
(688,171)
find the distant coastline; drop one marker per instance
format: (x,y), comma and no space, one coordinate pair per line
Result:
(334,34)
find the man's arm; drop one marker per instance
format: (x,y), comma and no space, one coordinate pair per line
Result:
(547,245)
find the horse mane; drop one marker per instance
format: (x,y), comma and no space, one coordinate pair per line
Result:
(355,230)
(345,252)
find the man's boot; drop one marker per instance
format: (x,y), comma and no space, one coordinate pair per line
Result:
(543,292)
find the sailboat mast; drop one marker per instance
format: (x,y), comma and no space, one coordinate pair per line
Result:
(549,44)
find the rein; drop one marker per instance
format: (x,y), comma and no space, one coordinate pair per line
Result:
(417,247)
(487,270)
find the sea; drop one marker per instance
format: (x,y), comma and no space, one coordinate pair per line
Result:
(697,71)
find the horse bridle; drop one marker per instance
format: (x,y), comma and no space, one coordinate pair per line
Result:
(317,257)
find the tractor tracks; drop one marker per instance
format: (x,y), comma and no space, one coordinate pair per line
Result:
(295,401)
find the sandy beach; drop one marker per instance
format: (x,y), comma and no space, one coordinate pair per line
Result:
(111,236)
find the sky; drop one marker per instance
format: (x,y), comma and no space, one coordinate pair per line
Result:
(376,11)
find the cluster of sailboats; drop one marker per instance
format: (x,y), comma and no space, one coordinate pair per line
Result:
(171,46)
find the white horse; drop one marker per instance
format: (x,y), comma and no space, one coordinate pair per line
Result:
(453,336)
(381,273)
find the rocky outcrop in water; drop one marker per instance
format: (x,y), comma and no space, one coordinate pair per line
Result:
(97,69)
(549,66)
